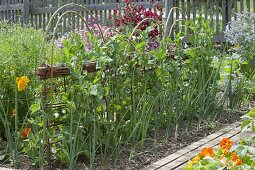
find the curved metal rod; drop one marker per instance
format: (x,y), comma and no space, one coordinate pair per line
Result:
(171,29)
(166,33)
(55,30)
(54,35)
(55,14)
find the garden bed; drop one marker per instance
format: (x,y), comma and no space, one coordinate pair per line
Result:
(160,148)
(163,148)
(122,101)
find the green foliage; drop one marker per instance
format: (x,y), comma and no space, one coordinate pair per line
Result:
(133,92)
(19,49)
(249,122)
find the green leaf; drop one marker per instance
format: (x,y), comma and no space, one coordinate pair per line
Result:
(245,124)
(239,149)
(251,113)
(35,107)
(93,90)
(186,23)
(251,150)
(140,47)
(243,153)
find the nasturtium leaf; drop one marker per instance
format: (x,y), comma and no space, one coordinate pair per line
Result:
(251,150)
(243,153)
(239,149)
(244,124)
(251,113)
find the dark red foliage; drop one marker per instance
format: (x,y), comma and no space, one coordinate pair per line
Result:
(133,14)
(154,33)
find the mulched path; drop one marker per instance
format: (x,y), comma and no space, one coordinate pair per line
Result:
(160,148)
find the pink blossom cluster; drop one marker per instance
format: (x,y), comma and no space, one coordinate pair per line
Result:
(95,28)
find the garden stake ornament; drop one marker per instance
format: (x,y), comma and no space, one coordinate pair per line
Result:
(48,73)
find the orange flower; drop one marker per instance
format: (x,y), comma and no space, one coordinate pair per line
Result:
(196,159)
(22,82)
(236,160)
(207,152)
(226,143)
(221,157)
(25,132)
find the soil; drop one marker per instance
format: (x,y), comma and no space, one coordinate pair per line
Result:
(159,148)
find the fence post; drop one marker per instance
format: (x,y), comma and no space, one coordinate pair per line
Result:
(169,4)
(225,15)
(167,8)
(26,12)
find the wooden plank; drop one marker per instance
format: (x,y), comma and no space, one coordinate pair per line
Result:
(9,12)
(84,15)
(241,6)
(177,17)
(194,146)
(229,12)
(73,18)
(200,8)
(183,7)
(167,8)
(188,9)
(224,14)
(91,7)
(69,19)
(11,7)
(194,9)
(114,15)
(35,15)
(77,18)
(235,138)
(105,14)
(248,3)
(217,17)
(95,2)
(111,21)
(235,8)
(186,157)
(64,29)
(170,22)
(26,12)
(206,9)
(46,4)
(211,13)
(12,12)
(41,5)
(253,6)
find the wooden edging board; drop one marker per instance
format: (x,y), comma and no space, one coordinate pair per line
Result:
(181,157)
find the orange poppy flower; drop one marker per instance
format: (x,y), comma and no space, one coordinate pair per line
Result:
(226,143)
(236,160)
(25,132)
(207,152)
